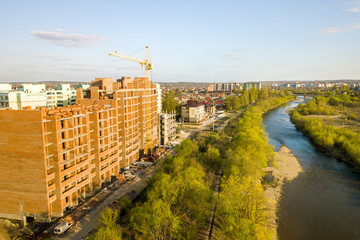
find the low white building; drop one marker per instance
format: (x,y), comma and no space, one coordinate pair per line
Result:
(19,99)
(32,88)
(192,112)
(5,87)
(62,96)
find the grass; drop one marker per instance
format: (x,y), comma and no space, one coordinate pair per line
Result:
(342,120)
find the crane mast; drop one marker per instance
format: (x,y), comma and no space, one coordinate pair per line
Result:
(145,63)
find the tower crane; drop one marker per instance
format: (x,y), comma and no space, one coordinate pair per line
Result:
(145,63)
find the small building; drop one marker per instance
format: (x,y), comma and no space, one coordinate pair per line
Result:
(192,112)
(167,127)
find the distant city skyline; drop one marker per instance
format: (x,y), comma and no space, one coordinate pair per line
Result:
(189,41)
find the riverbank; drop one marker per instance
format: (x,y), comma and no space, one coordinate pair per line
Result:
(335,152)
(332,144)
(286,168)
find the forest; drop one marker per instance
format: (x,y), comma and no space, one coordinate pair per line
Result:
(179,199)
(339,135)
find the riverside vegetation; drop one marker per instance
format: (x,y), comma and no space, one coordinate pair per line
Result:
(179,199)
(333,124)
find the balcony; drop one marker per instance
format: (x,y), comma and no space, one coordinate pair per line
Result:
(52,198)
(68,189)
(50,176)
(51,187)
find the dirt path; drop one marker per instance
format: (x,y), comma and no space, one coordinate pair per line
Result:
(286,168)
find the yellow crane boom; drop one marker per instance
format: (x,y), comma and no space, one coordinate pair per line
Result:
(145,63)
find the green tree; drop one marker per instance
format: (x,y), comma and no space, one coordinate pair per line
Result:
(169,103)
(108,228)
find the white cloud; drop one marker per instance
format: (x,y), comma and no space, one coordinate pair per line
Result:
(353,6)
(60,38)
(341,29)
(54,57)
(353,9)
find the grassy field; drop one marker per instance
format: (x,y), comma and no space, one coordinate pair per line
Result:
(344,119)
(333,124)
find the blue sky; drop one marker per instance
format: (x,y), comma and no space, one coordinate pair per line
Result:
(200,41)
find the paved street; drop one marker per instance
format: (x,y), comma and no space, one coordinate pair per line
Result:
(89,221)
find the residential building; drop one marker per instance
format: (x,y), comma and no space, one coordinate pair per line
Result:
(32,88)
(63,95)
(223,87)
(83,86)
(210,109)
(249,85)
(167,127)
(211,88)
(192,112)
(136,103)
(5,87)
(27,95)
(51,158)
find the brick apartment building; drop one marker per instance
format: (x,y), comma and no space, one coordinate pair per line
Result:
(51,158)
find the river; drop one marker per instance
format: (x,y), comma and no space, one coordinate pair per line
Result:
(323,202)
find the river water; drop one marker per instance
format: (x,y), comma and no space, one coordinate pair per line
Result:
(323,202)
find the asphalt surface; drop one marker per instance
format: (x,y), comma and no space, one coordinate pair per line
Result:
(89,222)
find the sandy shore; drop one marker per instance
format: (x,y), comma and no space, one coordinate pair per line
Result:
(286,168)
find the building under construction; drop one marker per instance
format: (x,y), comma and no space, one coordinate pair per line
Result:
(51,158)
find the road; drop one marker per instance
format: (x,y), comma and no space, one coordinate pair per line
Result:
(89,222)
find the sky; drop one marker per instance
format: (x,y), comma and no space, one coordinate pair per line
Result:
(189,41)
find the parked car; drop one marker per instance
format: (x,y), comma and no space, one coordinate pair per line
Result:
(62,227)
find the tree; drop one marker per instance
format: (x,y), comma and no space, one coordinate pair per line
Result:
(108,228)
(264,93)
(154,220)
(169,103)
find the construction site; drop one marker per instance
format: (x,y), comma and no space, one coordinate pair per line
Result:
(55,159)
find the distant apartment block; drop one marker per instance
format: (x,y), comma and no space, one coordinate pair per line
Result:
(63,95)
(83,86)
(167,127)
(249,85)
(193,112)
(27,95)
(52,158)
(223,87)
